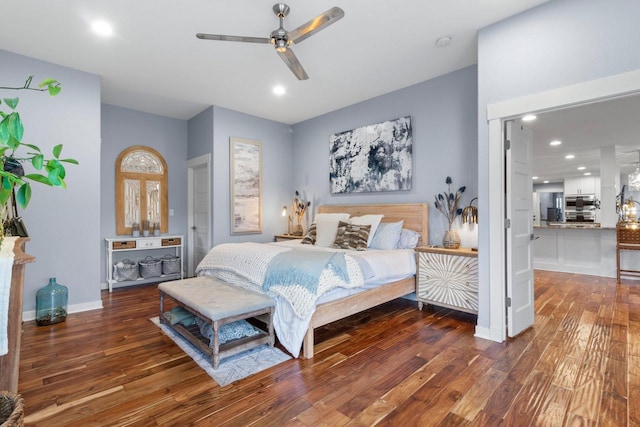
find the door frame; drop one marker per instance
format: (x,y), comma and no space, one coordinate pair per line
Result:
(493,260)
(192,164)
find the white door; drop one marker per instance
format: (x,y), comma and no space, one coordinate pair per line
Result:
(536,208)
(520,298)
(199,199)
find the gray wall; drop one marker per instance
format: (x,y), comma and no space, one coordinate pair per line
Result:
(63,223)
(209,132)
(122,128)
(557,44)
(444,121)
(200,134)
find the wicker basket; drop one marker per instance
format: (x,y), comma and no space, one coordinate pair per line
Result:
(150,267)
(11,409)
(125,270)
(170,264)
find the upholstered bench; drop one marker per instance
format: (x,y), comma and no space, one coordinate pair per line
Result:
(218,303)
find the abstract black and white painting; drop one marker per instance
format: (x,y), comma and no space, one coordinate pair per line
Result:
(246,186)
(372,158)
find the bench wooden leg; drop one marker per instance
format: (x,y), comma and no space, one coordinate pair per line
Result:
(161,316)
(215,343)
(272,335)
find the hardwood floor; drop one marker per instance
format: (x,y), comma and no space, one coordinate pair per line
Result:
(392,365)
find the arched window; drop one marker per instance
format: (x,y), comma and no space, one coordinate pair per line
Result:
(141,190)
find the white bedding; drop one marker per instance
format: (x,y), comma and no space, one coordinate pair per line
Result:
(377,267)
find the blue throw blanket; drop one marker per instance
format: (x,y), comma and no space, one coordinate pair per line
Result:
(302,267)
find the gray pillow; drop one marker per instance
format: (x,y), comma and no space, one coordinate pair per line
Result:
(387,235)
(408,239)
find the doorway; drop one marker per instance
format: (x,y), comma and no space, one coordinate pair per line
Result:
(493,257)
(199,211)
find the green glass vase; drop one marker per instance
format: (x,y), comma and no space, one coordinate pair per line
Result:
(51,303)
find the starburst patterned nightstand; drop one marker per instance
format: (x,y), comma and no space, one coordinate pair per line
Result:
(447,278)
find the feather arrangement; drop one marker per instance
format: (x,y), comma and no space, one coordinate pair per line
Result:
(299,208)
(447,202)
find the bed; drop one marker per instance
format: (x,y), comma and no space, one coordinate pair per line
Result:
(414,216)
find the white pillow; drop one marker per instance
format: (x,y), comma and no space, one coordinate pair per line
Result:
(327,227)
(372,220)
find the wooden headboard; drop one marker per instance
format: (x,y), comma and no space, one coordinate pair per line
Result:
(415,215)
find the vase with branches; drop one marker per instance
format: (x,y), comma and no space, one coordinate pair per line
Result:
(299,209)
(447,203)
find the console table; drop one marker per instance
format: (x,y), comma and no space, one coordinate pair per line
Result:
(121,248)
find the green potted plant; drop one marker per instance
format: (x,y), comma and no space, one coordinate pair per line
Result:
(14,153)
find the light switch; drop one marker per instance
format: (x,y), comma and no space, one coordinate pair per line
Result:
(170,212)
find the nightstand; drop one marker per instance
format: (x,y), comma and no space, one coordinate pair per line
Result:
(281,237)
(447,278)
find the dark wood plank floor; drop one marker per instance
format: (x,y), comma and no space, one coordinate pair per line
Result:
(393,365)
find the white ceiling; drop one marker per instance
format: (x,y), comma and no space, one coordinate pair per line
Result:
(583,131)
(154,62)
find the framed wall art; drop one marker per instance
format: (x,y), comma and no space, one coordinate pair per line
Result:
(246,185)
(372,158)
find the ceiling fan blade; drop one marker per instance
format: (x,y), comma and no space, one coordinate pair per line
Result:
(294,65)
(316,24)
(233,38)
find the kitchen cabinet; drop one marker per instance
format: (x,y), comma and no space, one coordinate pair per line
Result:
(582,185)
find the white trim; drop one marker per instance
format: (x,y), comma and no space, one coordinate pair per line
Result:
(489,334)
(75,308)
(616,86)
(495,214)
(192,164)
(581,93)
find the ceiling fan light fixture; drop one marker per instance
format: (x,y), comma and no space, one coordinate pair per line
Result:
(281,46)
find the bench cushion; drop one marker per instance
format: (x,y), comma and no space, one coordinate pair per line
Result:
(214,298)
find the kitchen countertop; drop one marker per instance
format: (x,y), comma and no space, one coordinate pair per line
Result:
(574,225)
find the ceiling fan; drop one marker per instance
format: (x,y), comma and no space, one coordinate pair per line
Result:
(282,38)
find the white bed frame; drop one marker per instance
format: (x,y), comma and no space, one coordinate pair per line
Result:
(416,217)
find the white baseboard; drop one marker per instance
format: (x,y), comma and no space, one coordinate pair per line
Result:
(76,308)
(488,334)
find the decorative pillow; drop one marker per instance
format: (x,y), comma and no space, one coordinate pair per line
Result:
(229,331)
(310,238)
(352,236)
(327,227)
(387,235)
(408,239)
(372,220)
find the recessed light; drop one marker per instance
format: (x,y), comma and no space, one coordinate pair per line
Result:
(545,182)
(555,142)
(102,28)
(587,173)
(581,168)
(444,41)
(528,117)
(279,90)
(534,177)
(569,156)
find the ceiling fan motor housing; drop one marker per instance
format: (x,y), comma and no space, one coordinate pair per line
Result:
(281,10)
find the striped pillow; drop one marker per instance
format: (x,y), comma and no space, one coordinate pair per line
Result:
(310,238)
(352,236)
